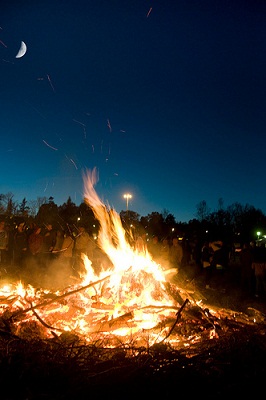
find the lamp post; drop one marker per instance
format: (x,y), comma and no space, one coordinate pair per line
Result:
(127,196)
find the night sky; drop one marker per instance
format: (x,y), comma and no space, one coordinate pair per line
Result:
(166,99)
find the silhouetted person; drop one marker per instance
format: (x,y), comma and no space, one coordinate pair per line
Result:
(206,259)
(154,248)
(175,254)
(65,256)
(164,255)
(20,246)
(49,241)
(259,266)
(4,239)
(35,241)
(247,277)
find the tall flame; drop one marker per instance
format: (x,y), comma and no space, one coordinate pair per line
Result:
(135,280)
(126,298)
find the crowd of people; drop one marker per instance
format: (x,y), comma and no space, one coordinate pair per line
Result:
(215,264)
(43,247)
(40,249)
(247,262)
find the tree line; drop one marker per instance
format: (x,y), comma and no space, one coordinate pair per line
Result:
(235,223)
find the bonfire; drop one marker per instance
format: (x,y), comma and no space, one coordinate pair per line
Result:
(133,299)
(134,305)
(130,299)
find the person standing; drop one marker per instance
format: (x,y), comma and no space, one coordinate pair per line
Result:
(48,245)
(35,241)
(20,246)
(175,254)
(164,255)
(247,277)
(4,238)
(206,260)
(259,266)
(220,262)
(66,252)
(154,248)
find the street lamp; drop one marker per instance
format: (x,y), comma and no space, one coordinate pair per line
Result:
(127,196)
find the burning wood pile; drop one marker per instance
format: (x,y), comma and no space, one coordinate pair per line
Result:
(71,342)
(89,313)
(113,324)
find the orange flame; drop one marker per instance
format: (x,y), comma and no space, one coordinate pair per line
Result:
(128,298)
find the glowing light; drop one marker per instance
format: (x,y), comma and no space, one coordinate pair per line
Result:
(127,196)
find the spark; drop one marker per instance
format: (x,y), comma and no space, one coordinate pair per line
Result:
(3,43)
(109,125)
(47,144)
(73,162)
(84,126)
(10,62)
(150,10)
(35,109)
(92,148)
(122,130)
(48,77)
(78,122)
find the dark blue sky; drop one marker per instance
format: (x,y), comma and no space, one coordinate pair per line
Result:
(165,98)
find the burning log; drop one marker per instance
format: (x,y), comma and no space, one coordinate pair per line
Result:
(57,298)
(125,320)
(177,318)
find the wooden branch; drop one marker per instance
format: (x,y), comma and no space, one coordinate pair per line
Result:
(123,320)
(177,318)
(57,298)
(45,324)
(113,324)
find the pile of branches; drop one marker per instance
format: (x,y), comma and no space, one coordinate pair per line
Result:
(66,367)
